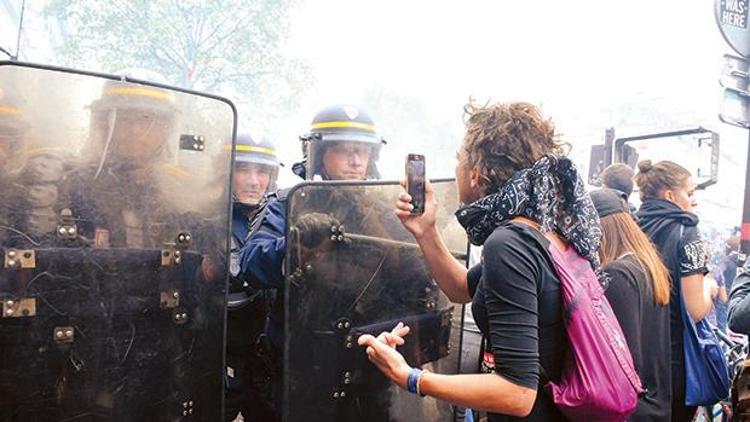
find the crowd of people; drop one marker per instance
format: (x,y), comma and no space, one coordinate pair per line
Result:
(519,193)
(521,198)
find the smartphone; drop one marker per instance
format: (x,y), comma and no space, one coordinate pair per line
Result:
(415,180)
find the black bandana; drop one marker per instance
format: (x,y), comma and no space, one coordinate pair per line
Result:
(551,193)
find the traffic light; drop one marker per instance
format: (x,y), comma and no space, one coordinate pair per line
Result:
(735,103)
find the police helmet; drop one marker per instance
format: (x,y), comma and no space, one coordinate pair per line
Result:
(122,101)
(336,124)
(124,95)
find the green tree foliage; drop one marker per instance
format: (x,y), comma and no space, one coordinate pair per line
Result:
(227,46)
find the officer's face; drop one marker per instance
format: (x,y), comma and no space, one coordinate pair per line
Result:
(138,134)
(347,160)
(250,182)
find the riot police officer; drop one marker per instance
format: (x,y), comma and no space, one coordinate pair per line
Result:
(256,168)
(30,189)
(133,331)
(114,197)
(350,268)
(342,144)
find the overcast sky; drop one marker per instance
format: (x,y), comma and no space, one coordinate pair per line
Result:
(640,65)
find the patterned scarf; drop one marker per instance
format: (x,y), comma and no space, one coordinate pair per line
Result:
(551,193)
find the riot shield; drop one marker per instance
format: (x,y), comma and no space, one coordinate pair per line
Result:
(113,248)
(351,269)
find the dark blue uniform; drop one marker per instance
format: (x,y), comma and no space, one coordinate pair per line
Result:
(261,261)
(247,373)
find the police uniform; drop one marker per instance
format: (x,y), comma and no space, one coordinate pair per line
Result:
(246,374)
(264,253)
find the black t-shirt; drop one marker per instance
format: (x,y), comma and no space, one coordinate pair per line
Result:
(646,328)
(517,304)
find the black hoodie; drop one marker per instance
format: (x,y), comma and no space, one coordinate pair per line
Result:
(675,234)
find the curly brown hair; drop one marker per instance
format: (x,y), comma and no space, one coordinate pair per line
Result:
(503,138)
(653,179)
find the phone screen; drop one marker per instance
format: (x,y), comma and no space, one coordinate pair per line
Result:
(415,177)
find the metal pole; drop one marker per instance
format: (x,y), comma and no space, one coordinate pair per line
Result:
(20,30)
(745,228)
(396,244)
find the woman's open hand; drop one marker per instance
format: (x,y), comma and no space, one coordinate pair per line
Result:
(382,352)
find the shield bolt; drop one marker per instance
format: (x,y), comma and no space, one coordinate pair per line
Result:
(9,312)
(185,404)
(340,325)
(11,254)
(181,238)
(190,411)
(308,267)
(334,237)
(349,345)
(187,238)
(336,395)
(176,295)
(71,231)
(177,253)
(68,333)
(333,229)
(190,403)
(59,334)
(9,303)
(177,260)
(11,263)
(61,231)
(184,413)
(347,324)
(343,394)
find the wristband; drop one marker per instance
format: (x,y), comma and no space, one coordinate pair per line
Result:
(412,383)
(419,382)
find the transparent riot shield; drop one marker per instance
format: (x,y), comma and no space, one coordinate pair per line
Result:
(113,244)
(353,269)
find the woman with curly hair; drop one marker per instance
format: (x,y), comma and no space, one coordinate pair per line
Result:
(517,185)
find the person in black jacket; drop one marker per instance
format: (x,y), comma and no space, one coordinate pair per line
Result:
(739,301)
(666,217)
(638,291)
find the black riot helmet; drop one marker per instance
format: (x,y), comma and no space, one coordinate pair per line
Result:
(252,156)
(347,130)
